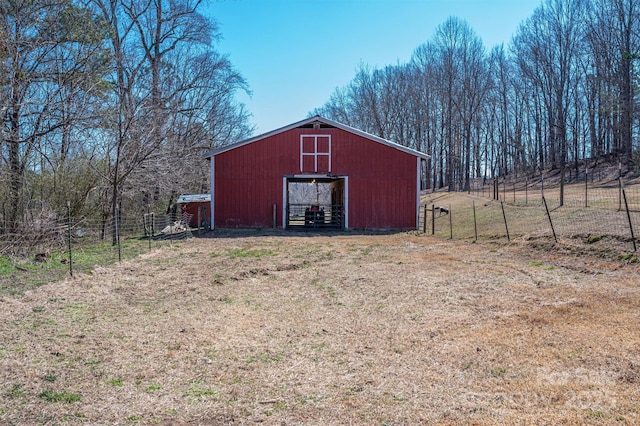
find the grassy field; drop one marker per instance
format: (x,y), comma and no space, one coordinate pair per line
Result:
(345,328)
(473,217)
(23,273)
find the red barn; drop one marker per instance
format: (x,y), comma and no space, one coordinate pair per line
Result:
(315,173)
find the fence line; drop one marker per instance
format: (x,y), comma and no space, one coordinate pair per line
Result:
(586,211)
(47,250)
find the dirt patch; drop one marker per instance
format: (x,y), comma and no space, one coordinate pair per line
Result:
(328,329)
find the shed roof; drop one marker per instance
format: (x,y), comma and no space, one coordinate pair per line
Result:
(194,198)
(310,122)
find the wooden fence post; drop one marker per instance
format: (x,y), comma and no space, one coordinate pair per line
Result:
(275,211)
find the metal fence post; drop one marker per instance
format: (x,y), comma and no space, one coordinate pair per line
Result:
(424,221)
(475,222)
(504,216)
(69,235)
(495,188)
(626,206)
(544,200)
(117,231)
(619,186)
(586,187)
(450,224)
(433,219)
(504,189)
(148,226)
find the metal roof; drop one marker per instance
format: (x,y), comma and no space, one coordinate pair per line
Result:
(194,198)
(320,120)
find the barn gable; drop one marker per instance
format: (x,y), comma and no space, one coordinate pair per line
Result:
(316,123)
(315,173)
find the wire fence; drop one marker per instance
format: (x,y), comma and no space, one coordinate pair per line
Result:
(597,212)
(48,250)
(585,211)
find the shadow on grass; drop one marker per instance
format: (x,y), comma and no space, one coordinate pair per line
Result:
(293,232)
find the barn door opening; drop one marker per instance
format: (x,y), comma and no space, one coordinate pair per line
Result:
(315,203)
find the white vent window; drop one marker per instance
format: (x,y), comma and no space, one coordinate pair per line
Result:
(315,153)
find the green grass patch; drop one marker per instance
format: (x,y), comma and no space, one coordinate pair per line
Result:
(266,357)
(596,414)
(593,239)
(74,308)
(50,378)
(198,390)
(153,387)
(63,396)
(6,267)
(20,274)
(225,299)
(16,391)
(499,372)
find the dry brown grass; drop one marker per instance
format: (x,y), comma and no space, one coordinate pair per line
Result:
(333,329)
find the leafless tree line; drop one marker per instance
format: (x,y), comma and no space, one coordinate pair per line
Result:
(108,104)
(561,92)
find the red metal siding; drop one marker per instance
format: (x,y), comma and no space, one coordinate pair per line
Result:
(248,181)
(381,180)
(193,208)
(382,183)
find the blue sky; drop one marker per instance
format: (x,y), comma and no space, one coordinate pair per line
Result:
(294,53)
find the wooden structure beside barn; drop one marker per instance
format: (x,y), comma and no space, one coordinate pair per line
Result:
(315,173)
(197,207)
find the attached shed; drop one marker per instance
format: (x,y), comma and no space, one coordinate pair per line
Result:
(315,173)
(197,206)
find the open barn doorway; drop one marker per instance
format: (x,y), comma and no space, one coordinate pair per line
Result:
(316,202)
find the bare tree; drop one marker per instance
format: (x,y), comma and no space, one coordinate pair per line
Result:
(165,77)
(563,90)
(547,47)
(613,43)
(202,114)
(52,55)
